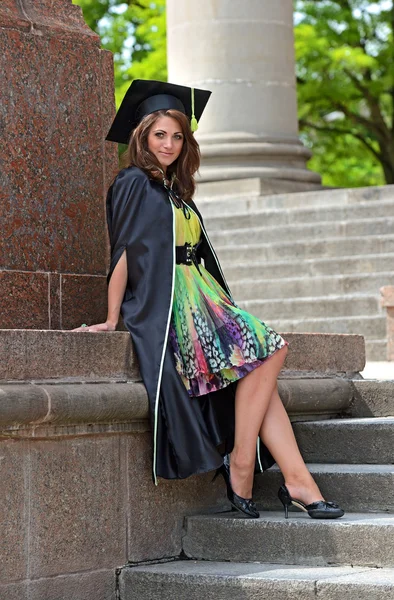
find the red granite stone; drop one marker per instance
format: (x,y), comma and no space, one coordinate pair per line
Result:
(83,300)
(23,300)
(110,166)
(61,16)
(56,106)
(55,308)
(53,197)
(11,15)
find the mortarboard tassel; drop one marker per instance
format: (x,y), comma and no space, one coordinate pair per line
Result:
(193,121)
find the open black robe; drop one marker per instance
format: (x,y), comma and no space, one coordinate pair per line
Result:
(186,430)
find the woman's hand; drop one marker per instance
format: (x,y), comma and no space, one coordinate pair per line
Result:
(107,326)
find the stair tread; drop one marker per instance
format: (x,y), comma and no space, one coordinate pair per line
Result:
(339,276)
(314,225)
(313,298)
(346,468)
(381,237)
(308,209)
(264,571)
(351,422)
(320,259)
(300,519)
(311,320)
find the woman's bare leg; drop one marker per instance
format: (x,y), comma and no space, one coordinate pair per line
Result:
(277,434)
(253,396)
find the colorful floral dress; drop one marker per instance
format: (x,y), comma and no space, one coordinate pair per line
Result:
(214,341)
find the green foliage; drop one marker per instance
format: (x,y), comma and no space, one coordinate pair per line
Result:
(345,75)
(136,34)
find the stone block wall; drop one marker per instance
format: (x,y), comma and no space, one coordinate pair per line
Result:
(77,500)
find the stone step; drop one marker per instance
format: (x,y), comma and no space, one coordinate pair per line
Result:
(373,397)
(309,231)
(349,441)
(362,488)
(330,247)
(231,205)
(289,216)
(376,350)
(296,287)
(205,580)
(335,306)
(310,267)
(369,326)
(355,539)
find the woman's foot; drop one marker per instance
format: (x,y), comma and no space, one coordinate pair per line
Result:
(320,509)
(307,491)
(246,506)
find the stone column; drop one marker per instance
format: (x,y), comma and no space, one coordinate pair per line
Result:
(242,50)
(56,104)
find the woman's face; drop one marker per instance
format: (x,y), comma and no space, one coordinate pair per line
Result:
(165,140)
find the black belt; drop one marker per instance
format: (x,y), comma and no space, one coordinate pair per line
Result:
(187,255)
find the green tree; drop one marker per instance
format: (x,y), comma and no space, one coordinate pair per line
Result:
(135,31)
(345,76)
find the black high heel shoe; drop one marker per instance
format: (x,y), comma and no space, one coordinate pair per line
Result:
(244,505)
(316,510)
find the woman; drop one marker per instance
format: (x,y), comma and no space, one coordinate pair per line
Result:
(210,369)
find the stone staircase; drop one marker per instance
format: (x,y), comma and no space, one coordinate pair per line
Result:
(299,558)
(309,261)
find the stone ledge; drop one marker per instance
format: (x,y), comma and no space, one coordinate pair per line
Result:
(37,354)
(53,410)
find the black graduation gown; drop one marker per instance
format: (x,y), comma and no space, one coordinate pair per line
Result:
(186,431)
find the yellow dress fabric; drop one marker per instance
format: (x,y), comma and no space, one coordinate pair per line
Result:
(214,341)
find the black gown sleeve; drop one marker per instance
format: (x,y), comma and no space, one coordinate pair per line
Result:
(125,200)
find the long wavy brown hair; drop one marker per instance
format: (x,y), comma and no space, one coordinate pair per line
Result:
(183,168)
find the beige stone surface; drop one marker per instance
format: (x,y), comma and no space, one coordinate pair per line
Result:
(96,585)
(330,353)
(38,354)
(156,513)
(235,51)
(355,539)
(243,53)
(14,512)
(15,591)
(373,398)
(42,355)
(77,505)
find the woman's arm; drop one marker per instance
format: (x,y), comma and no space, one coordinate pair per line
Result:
(116,290)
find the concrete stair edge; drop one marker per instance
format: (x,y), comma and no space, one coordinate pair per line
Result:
(357,539)
(333,212)
(214,580)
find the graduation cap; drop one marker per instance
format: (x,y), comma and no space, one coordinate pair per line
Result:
(146,96)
